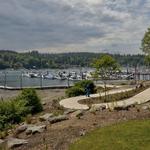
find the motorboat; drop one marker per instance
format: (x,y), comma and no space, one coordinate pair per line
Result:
(30,74)
(48,76)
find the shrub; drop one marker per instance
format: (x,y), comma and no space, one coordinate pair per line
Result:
(32,101)
(82,84)
(11,112)
(74,91)
(79,88)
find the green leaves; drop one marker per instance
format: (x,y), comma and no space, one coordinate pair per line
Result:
(31,100)
(12,111)
(146,42)
(106,66)
(79,88)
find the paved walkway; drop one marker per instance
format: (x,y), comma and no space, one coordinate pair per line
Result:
(73,102)
(140,98)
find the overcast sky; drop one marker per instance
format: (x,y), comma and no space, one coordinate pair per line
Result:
(115,26)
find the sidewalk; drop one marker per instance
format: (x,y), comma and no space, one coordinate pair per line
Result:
(73,102)
(140,98)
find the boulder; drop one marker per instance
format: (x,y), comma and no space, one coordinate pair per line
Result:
(98,108)
(43,103)
(69,111)
(118,108)
(77,113)
(145,107)
(21,129)
(2,144)
(58,118)
(82,132)
(133,105)
(32,129)
(45,117)
(14,142)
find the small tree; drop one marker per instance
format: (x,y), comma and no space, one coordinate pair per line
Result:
(32,101)
(105,67)
(146,42)
(145,46)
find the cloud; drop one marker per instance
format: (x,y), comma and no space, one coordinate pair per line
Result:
(74,25)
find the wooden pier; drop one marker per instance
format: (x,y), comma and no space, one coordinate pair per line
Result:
(35,87)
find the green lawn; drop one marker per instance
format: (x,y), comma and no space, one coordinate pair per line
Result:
(133,135)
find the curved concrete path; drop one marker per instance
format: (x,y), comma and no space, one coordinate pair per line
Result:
(72,103)
(140,98)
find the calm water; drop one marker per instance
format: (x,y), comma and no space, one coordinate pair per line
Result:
(13,78)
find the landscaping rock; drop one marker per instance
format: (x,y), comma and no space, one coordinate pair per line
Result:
(21,129)
(69,111)
(43,103)
(58,118)
(46,117)
(118,108)
(133,105)
(2,144)
(14,142)
(145,107)
(82,133)
(99,108)
(32,129)
(93,110)
(77,113)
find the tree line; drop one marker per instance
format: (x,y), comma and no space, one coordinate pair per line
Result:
(36,60)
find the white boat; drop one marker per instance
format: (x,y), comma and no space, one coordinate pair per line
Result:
(30,75)
(59,77)
(48,76)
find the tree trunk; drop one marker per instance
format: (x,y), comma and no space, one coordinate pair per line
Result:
(105,91)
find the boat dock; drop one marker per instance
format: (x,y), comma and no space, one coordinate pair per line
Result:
(35,87)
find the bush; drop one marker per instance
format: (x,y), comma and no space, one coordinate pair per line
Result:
(79,88)
(12,111)
(32,101)
(74,91)
(82,84)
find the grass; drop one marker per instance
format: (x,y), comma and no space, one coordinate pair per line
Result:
(132,135)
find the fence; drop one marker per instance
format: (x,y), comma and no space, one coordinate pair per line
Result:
(16,80)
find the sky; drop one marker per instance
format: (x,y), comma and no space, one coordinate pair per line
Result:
(113,26)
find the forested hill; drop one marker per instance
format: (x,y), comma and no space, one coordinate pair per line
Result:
(10,59)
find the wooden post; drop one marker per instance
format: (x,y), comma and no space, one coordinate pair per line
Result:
(40,80)
(5,80)
(21,80)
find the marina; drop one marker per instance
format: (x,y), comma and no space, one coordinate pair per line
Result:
(54,78)
(51,78)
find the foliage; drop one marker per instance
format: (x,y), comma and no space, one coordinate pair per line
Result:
(35,60)
(83,84)
(13,111)
(113,97)
(79,88)
(32,101)
(147,60)
(132,135)
(105,66)
(146,42)
(74,91)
